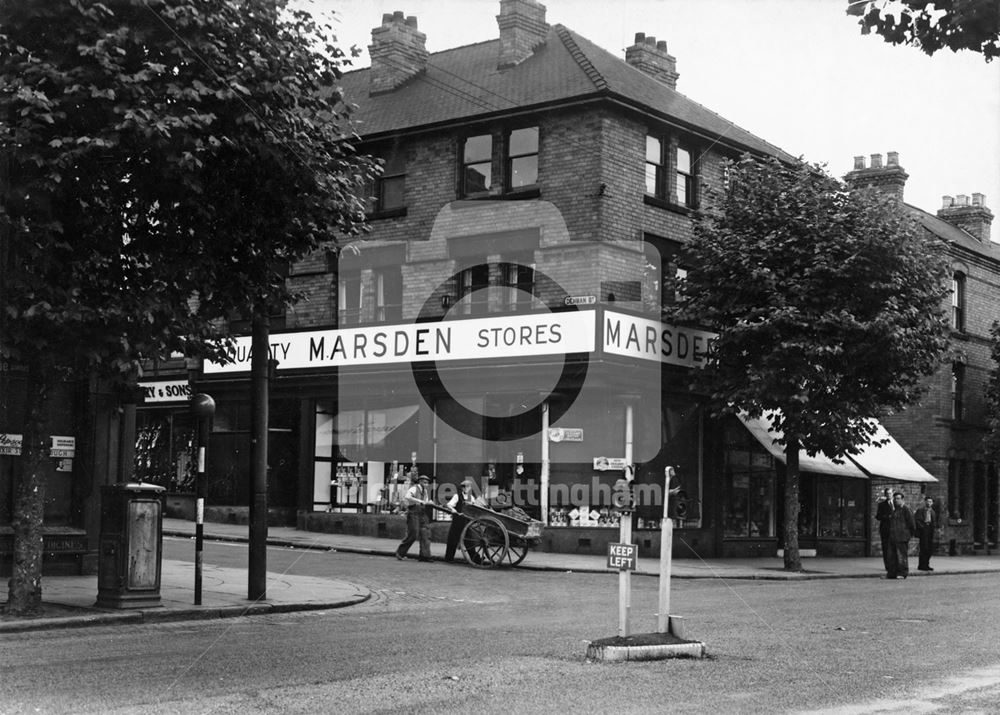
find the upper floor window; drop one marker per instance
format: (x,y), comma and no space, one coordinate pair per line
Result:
(957,391)
(387,191)
(522,158)
(473,282)
(477,164)
(388,295)
(663,267)
(958,302)
(489,287)
(349,298)
(684,183)
(656,167)
(518,279)
(670,172)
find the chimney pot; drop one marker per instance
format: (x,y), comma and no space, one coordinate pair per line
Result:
(522,30)
(398,52)
(974,219)
(651,57)
(889,179)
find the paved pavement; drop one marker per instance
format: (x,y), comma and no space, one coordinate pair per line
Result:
(69,600)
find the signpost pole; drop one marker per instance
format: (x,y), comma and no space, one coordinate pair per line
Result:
(543,480)
(624,579)
(202,407)
(666,547)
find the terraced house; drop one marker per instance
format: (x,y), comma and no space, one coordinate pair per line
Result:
(502,320)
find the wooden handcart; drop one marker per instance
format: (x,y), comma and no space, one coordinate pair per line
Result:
(497,538)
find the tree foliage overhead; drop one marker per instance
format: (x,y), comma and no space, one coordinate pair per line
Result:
(827,305)
(163,162)
(932,26)
(991,440)
(167,156)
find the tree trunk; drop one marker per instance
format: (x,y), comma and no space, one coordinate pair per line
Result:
(24,590)
(259,368)
(792,560)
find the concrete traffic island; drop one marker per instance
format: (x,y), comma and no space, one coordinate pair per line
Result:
(644,646)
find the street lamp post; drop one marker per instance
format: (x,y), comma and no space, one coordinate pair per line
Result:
(203,408)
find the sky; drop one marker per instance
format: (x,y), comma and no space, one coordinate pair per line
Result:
(797,73)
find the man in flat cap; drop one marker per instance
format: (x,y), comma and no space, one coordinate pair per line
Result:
(418,524)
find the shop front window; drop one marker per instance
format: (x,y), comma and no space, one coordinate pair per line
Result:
(360,455)
(750,479)
(164,449)
(840,508)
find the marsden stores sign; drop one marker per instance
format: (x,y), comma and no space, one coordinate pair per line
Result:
(509,336)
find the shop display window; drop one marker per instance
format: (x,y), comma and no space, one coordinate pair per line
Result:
(750,486)
(840,508)
(362,456)
(164,449)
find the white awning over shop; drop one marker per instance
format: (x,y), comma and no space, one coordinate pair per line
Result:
(888,461)
(820,463)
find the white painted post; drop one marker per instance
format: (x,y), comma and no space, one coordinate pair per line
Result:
(543,487)
(625,534)
(666,546)
(624,579)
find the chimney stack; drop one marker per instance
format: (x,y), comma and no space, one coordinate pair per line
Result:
(889,179)
(652,57)
(522,29)
(397,52)
(973,218)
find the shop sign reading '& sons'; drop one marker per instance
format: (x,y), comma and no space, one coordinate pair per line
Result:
(474,339)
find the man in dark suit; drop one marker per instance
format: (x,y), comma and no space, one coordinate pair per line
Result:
(883,514)
(901,528)
(926,520)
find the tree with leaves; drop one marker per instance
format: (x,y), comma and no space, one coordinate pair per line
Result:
(954,24)
(166,159)
(992,439)
(828,306)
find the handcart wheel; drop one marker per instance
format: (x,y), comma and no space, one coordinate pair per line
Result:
(485,542)
(516,552)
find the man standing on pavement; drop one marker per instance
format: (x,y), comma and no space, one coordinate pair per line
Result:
(926,521)
(418,527)
(458,522)
(901,527)
(883,514)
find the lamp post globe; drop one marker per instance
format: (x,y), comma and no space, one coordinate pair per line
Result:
(202,405)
